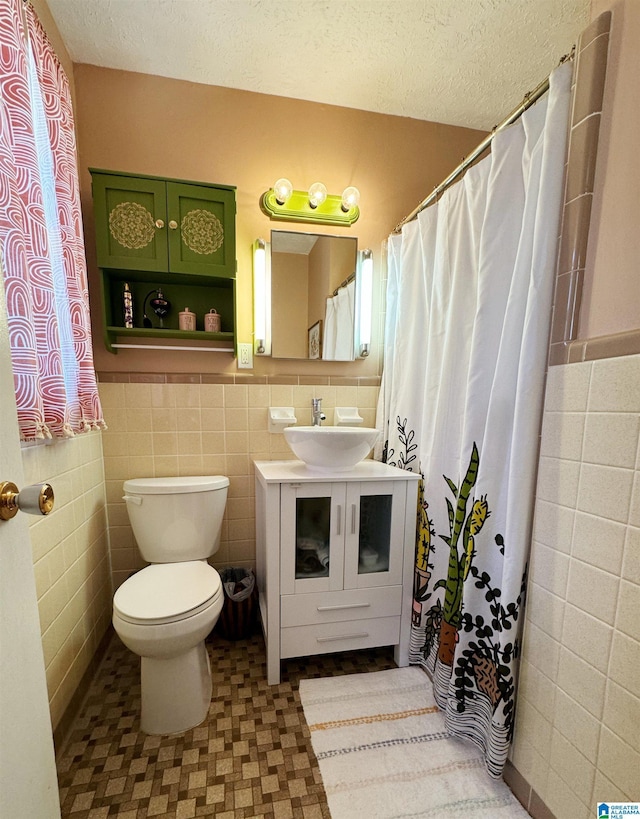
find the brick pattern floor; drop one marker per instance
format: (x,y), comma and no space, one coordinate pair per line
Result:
(251,757)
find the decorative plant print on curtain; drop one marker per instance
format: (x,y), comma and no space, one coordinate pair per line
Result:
(484,670)
(423,568)
(475,666)
(483,659)
(424,532)
(459,564)
(406,447)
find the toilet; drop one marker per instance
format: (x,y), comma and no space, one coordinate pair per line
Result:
(164,612)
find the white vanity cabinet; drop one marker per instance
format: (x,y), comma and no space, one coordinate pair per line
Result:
(335,558)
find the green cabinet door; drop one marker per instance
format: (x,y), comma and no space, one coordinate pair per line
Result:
(164,226)
(131,222)
(201,234)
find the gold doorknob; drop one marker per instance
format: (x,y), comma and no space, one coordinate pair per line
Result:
(159,223)
(173,224)
(34,500)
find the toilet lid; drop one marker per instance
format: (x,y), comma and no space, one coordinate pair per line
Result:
(166,592)
(175,486)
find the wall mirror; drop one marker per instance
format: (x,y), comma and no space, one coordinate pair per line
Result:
(313,296)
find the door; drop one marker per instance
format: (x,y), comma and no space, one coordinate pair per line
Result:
(131,222)
(28,783)
(202,222)
(374,534)
(312,532)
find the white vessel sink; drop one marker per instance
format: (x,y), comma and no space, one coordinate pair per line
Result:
(331,448)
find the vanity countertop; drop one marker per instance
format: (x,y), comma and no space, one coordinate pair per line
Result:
(367,470)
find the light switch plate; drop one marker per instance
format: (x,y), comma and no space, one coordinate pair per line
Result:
(245,356)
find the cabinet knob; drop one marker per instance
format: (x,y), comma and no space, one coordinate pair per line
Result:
(173,224)
(159,224)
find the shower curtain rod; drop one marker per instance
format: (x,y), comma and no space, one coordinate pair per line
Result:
(347,281)
(527,102)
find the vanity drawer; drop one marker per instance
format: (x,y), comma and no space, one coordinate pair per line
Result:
(336,606)
(325,638)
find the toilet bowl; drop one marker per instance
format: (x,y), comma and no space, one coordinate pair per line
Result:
(164,612)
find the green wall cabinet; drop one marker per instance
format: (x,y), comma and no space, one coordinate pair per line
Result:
(167,233)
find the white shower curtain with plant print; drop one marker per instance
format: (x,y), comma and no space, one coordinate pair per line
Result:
(469,300)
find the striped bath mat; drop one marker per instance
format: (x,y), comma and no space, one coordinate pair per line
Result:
(384,751)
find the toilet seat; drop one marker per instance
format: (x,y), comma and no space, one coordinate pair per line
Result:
(167,592)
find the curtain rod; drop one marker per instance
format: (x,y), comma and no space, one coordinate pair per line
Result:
(527,102)
(347,281)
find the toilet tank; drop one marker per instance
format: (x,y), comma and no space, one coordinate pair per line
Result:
(176,519)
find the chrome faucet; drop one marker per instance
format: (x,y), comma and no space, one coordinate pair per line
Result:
(318,415)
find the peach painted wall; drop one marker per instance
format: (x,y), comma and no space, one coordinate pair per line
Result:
(320,263)
(289,290)
(153,125)
(611,295)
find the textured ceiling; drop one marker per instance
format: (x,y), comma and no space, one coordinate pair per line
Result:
(462,62)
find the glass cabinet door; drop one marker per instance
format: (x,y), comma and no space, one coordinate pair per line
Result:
(312,537)
(375,534)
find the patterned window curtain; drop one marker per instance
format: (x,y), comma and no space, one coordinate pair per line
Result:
(41,238)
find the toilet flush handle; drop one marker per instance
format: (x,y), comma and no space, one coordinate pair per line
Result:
(132,499)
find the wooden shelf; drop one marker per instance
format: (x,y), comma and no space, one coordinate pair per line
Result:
(156,332)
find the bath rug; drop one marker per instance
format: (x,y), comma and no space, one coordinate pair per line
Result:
(384,751)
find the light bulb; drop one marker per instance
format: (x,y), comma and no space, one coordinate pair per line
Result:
(350,198)
(317,194)
(282,191)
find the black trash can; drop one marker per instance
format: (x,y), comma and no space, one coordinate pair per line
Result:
(239,612)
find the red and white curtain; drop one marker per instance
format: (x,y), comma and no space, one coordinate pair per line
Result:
(41,239)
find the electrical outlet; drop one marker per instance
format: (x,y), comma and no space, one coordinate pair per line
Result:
(245,356)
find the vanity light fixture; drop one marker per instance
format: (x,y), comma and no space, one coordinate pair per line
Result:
(261,298)
(364,301)
(315,205)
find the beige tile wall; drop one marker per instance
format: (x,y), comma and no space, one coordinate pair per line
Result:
(577,232)
(71,561)
(163,429)
(586,110)
(576,738)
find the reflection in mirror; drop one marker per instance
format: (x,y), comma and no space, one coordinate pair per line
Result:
(313,295)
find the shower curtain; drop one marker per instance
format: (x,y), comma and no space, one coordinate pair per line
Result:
(337,344)
(469,301)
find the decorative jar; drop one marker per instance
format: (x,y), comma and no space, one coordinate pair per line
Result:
(187,319)
(212,321)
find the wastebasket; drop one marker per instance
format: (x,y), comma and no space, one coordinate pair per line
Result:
(238,615)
